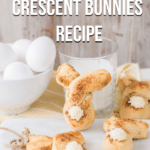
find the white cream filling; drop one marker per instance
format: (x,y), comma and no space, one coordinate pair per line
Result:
(137,102)
(76,113)
(118,134)
(73,146)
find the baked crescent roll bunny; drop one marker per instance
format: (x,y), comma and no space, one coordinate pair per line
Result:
(136,101)
(78,110)
(126,74)
(118,139)
(137,129)
(68,141)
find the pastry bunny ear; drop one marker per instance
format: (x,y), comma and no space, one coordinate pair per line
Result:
(129,69)
(89,82)
(66,74)
(125,81)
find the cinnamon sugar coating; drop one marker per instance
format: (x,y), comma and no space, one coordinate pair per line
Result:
(137,129)
(79,92)
(110,144)
(39,142)
(140,89)
(61,140)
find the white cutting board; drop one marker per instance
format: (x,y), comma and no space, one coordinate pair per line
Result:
(93,136)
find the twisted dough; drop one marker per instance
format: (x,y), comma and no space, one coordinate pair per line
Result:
(79,93)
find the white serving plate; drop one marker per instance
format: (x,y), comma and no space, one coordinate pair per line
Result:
(93,136)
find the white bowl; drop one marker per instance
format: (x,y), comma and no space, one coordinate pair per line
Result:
(17,96)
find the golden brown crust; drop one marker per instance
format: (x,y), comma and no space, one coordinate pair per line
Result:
(126,75)
(79,93)
(86,120)
(66,74)
(137,129)
(122,84)
(90,82)
(110,144)
(125,81)
(39,142)
(141,89)
(61,140)
(127,87)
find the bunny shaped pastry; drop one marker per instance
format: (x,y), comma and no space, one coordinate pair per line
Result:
(78,110)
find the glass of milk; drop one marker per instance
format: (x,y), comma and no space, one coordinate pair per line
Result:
(86,57)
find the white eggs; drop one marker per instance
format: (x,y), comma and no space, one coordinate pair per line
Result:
(17,71)
(10,45)
(7,55)
(20,48)
(41,54)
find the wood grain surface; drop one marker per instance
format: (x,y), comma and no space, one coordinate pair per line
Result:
(132,34)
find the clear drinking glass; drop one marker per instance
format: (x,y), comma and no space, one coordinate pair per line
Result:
(86,57)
